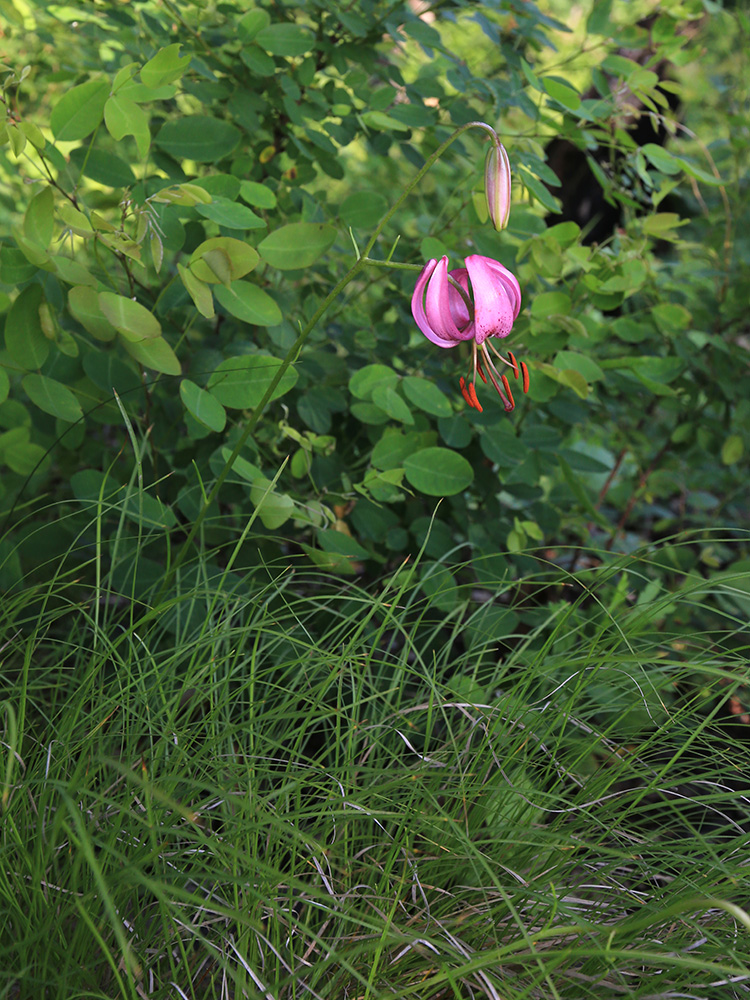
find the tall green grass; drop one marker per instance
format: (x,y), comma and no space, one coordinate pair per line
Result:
(276,784)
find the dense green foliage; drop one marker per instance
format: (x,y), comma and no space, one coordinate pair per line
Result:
(514,749)
(184,189)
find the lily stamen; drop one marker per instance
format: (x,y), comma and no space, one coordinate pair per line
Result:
(506,383)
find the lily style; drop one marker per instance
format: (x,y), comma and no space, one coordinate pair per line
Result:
(477,302)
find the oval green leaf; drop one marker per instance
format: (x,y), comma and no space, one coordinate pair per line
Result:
(426,396)
(198,137)
(240,383)
(156,354)
(204,406)
(83,303)
(24,337)
(363,209)
(251,23)
(165,67)
(129,318)
(230,215)
(364,381)
(249,303)
(285,39)
(39,220)
(732,450)
(52,397)
(4,385)
(296,245)
(438,472)
(123,117)
(102,167)
(78,112)
(257,194)
(223,259)
(391,403)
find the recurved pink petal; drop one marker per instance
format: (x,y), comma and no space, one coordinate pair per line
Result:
(439,298)
(417,305)
(497,297)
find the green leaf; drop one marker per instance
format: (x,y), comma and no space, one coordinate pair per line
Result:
(671,317)
(661,158)
(203,405)
(24,337)
(363,210)
(438,472)
(368,413)
(391,403)
(620,66)
(198,291)
(21,454)
(551,304)
(540,192)
(381,122)
(83,303)
(574,380)
(52,397)
(364,380)
(4,385)
(165,67)
(338,542)
(285,39)
(257,194)
(249,303)
(74,219)
(598,22)
(79,111)
(73,272)
(240,383)
(426,396)
(14,267)
(123,117)
(732,450)
(297,245)
(134,321)
(198,137)
(39,220)
(562,93)
(246,470)
(273,508)
(393,447)
(156,354)
(581,363)
(251,23)
(102,167)
(223,259)
(230,215)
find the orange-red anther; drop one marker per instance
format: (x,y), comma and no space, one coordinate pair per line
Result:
(481,373)
(525,373)
(474,401)
(514,363)
(464,393)
(508,393)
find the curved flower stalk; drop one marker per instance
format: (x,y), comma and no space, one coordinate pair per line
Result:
(476,303)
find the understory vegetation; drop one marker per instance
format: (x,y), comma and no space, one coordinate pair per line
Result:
(318,679)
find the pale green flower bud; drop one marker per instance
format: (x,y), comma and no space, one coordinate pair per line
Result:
(497,185)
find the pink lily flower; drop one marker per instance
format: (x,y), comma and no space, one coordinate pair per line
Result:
(476,303)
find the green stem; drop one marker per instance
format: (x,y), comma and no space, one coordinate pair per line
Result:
(362,261)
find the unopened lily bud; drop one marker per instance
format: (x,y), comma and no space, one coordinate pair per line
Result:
(497,185)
